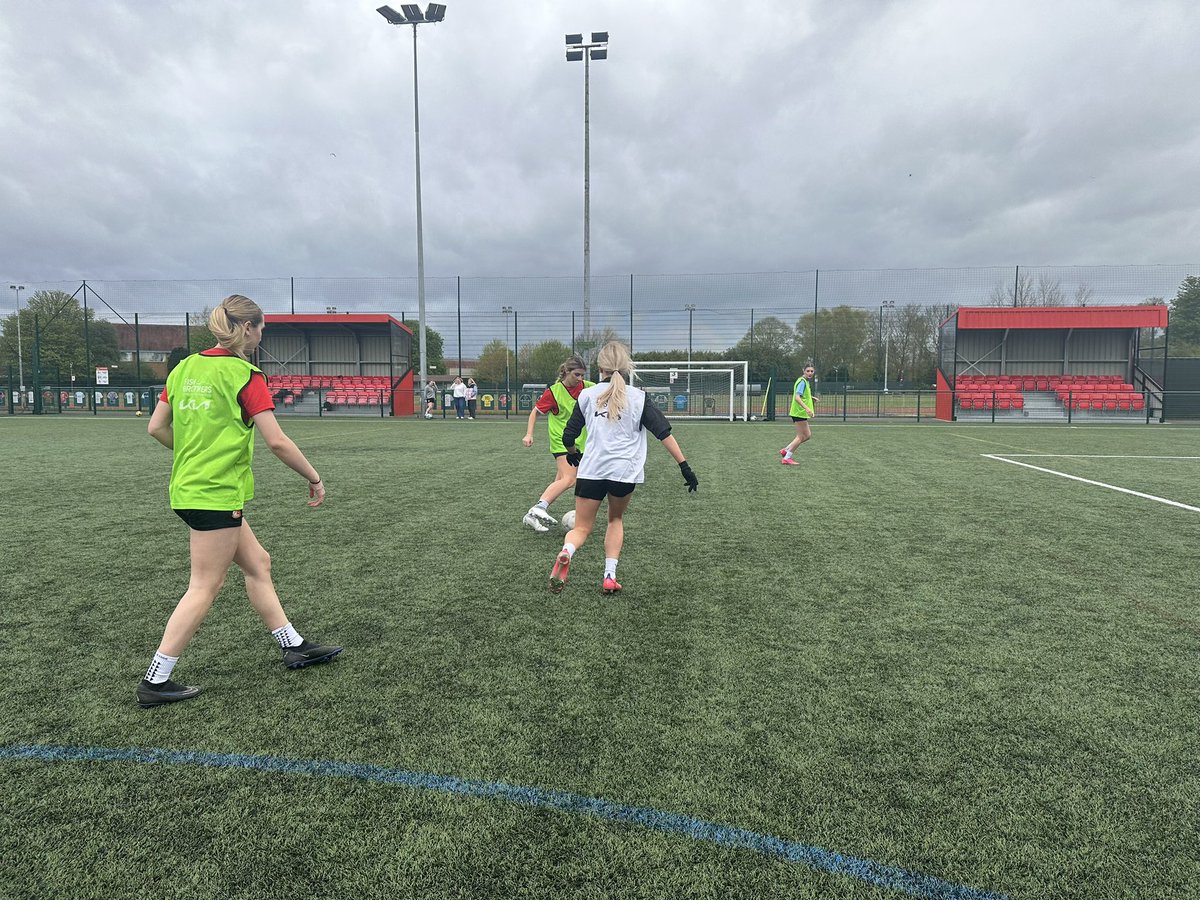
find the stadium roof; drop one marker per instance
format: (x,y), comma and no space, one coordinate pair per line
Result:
(332,319)
(1047,317)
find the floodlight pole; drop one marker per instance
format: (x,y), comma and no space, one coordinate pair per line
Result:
(691,308)
(508,311)
(414,20)
(20,358)
(886,304)
(587,50)
(420,231)
(587,197)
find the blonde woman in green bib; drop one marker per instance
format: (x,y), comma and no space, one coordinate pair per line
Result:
(556,403)
(206,417)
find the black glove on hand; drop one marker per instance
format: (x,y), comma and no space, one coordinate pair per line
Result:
(573,457)
(689,476)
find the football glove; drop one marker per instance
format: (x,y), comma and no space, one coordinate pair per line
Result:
(689,476)
(573,457)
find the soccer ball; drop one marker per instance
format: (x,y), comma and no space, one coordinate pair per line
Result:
(754,418)
(568,521)
(138,413)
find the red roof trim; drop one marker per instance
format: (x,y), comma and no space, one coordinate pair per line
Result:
(1047,317)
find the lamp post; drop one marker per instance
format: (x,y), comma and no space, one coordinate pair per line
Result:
(412,15)
(508,311)
(691,308)
(577,50)
(20,359)
(886,304)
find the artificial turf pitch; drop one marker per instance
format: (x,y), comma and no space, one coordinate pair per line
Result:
(902,654)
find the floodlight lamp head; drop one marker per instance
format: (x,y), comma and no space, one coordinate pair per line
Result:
(599,37)
(435,12)
(574,55)
(412,12)
(599,53)
(391,15)
(574,38)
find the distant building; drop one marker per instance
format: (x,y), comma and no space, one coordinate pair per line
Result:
(153,343)
(468,368)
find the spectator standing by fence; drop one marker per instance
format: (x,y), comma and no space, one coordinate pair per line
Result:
(472,397)
(459,392)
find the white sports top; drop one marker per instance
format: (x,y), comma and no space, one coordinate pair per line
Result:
(616,446)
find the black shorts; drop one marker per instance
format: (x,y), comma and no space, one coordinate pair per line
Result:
(799,418)
(599,488)
(210,519)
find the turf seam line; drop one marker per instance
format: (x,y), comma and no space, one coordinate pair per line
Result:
(879,874)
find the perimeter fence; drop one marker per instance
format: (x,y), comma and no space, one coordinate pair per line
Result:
(866,328)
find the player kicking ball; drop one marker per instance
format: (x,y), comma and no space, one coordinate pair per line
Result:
(556,404)
(617,416)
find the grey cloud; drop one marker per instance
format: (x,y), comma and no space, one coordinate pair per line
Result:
(202,140)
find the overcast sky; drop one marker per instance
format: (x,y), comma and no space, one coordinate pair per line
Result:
(177,140)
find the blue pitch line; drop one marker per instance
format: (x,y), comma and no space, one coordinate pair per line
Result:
(912,883)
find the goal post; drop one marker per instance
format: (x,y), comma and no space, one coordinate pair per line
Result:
(698,390)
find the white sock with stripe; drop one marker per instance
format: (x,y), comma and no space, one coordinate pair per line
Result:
(610,568)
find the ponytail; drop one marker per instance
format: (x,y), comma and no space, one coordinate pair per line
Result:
(226,319)
(614,358)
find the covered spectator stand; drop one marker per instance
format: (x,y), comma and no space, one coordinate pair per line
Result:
(1052,362)
(360,363)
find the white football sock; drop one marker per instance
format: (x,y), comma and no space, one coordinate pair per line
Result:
(160,668)
(569,549)
(288,636)
(610,568)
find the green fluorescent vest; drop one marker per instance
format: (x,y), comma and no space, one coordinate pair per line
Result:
(213,447)
(558,421)
(798,410)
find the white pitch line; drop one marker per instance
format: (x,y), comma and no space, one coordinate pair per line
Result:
(1095,456)
(1111,487)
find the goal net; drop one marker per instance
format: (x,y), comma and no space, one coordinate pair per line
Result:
(709,390)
